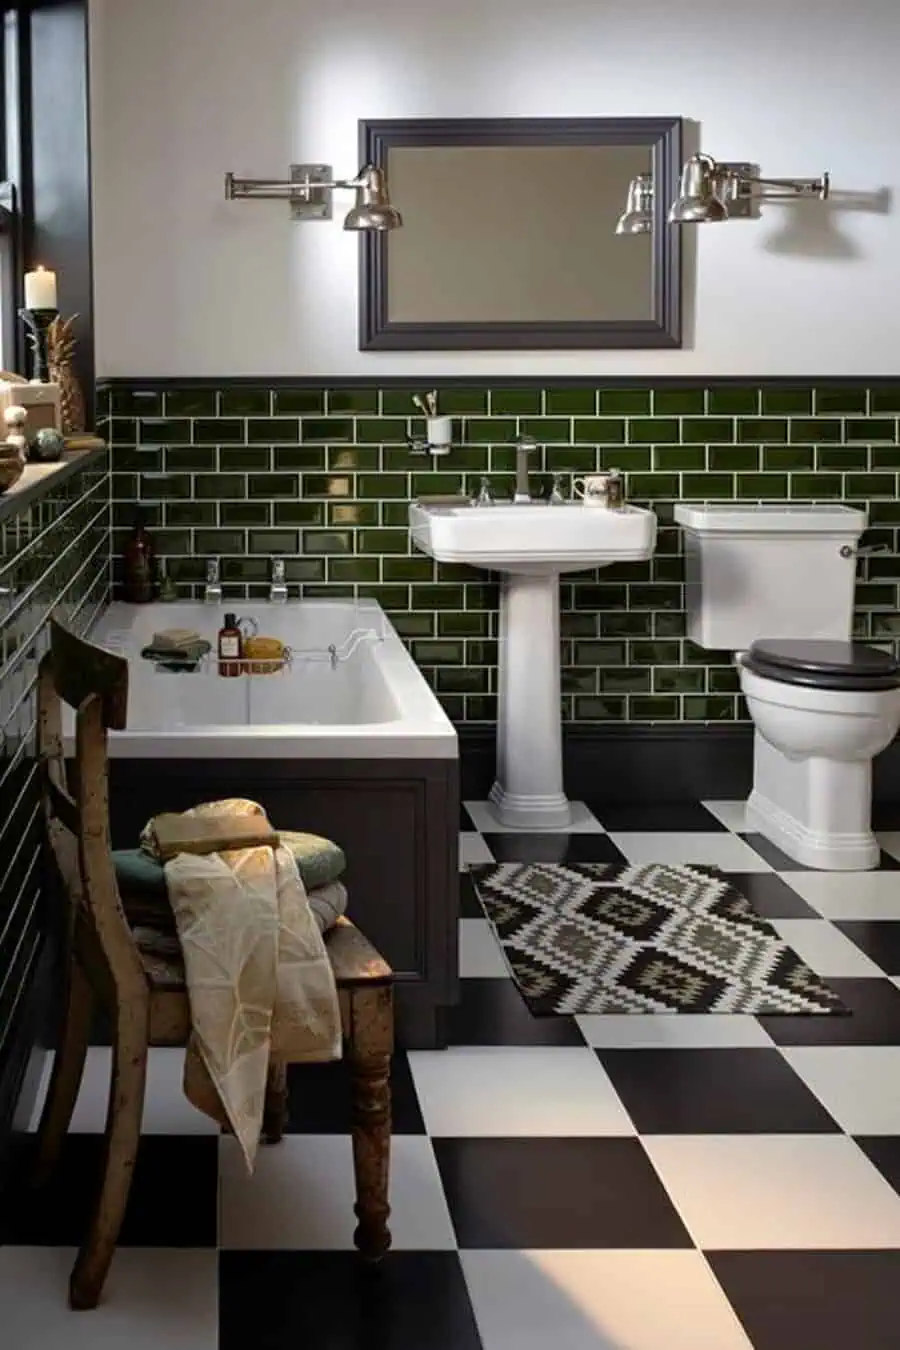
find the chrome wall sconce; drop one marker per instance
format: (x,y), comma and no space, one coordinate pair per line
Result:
(637,218)
(310,188)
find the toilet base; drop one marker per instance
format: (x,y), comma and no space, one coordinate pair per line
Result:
(817,811)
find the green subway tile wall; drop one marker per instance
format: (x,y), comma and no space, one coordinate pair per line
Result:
(323,476)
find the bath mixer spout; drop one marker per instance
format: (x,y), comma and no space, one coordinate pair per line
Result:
(212,591)
(278,593)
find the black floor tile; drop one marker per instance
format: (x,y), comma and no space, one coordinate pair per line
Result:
(556,1193)
(492,1012)
(469,904)
(330,1301)
(782,863)
(740,1091)
(675,817)
(173,1200)
(771,896)
(886,815)
(466,822)
(829,1300)
(874,1017)
(553,848)
(879,939)
(884,1151)
(319,1099)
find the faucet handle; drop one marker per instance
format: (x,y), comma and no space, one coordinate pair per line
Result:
(526,443)
(277,569)
(212,569)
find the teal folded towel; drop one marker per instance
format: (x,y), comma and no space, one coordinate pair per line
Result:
(319,862)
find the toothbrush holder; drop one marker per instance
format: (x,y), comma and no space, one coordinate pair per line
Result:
(438,437)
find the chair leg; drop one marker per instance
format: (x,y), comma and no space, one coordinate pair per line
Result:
(369,1049)
(65,1078)
(275,1110)
(120,1147)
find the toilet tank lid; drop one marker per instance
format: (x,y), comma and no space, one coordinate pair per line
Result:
(767,518)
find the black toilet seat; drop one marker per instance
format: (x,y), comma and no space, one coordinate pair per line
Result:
(820,664)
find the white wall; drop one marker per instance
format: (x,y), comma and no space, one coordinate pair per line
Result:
(184,90)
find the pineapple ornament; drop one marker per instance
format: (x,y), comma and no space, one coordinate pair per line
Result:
(60,351)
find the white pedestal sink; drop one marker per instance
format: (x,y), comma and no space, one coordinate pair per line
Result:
(530,545)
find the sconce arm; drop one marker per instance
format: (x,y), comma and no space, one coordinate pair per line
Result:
(786,189)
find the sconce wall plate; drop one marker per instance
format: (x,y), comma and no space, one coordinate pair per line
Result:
(310,202)
(736,190)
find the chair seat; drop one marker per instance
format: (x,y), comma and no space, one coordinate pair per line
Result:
(161,958)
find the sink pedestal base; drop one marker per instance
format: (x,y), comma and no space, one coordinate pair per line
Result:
(528,791)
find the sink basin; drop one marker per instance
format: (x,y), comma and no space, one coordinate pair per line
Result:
(534,539)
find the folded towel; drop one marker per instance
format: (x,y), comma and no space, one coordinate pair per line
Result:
(204,832)
(328,903)
(177,658)
(175,637)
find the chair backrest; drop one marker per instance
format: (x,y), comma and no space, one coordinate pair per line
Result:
(94,683)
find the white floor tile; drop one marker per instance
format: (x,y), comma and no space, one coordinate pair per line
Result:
(583,821)
(733,815)
(473,851)
(768,1192)
(715,850)
(520,1090)
(858,1084)
(154,1297)
(166,1109)
(301,1196)
(672,1031)
(889,841)
(825,949)
(480,957)
(599,1300)
(850,895)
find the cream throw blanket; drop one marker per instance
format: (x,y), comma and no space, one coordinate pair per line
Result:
(258,977)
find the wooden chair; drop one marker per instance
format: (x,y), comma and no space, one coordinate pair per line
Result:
(106,968)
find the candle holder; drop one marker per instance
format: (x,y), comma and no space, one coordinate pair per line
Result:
(37,324)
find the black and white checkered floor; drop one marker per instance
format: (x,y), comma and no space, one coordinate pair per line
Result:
(597,1183)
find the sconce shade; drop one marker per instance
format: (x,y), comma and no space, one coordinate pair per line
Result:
(697,200)
(373,210)
(637,218)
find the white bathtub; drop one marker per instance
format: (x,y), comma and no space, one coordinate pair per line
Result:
(365,699)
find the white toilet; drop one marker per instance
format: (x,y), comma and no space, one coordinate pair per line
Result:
(774,584)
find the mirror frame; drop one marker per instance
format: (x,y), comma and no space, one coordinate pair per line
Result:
(662,134)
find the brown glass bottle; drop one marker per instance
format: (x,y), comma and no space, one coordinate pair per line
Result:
(230,647)
(138,564)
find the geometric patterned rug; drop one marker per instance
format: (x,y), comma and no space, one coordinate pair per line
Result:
(637,938)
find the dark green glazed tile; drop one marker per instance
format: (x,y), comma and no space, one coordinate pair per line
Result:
(816,429)
(708,429)
(164,430)
(723,680)
(273,541)
(398,402)
(885,399)
(245,513)
(431,652)
(733,400)
(762,430)
(628,458)
(571,402)
(413,625)
(165,485)
(624,681)
(653,430)
(190,403)
(221,486)
(300,401)
(679,457)
(389,597)
(840,399)
(437,597)
(432,484)
(306,571)
(779,399)
(245,570)
(249,457)
(408,569)
(575,681)
(667,569)
(283,430)
(623,402)
(655,597)
(467,623)
(381,430)
(217,430)
(668,625)
(471,680)
(598,652)
(733,458)
(546,429)
(326,429)
(219,541)
(516,402)
(353,457)
(762,486)
(713,708)
(678,402)
(240,402)
(299,513)
(352,513)
(648,486)
(191,513)
(816,486)
(328,541)
(457,402)
(885,457)
(708,486)
(139,459)
(354,569)
(384,541)
(301,457)
(600,430)
(394,513)
(870,595)
(871,429)
(269,485)
(183,458)
(871,485)
(777,457)
(678,680)
(655,653)
(655,708)
(382,485)
(591,708)
(135,402)
(352,401)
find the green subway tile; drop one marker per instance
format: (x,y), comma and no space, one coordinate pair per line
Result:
(270,485)
(708,486)
(723,680)
(600,430)
(139,459)
(779,399)
(733,458)
(299,457)
(600,596)
(648,486)
(394,513)
(328,541)
(590,708)
(274,541)
(467,623)
(778,457)
(576,681)
(382,485)
(162,485)
(679,457)
(816,486)
(349,457)
(884,457)
(668,625)
(574,625)
(182,458)
(734,400)
(190,403)
(655,597)
(377,430)
(762,486)
(667,569)
(250,457)
(135,402)
(434,652)
(301,401)
(600,653)
(280,430)
(678,402)
(352,513)
(626,681)
(885,399)
(481,595)
(326,429)
(714,708)
(629,458)
(384,541)
(870,485)
(870,595)
(437,597)
(244,569)
(653,430)
(708,429)
(299,513)
(517,402)
(245,513)
(885,513)
(308,570)
(327,485)
(481,708)
(219,541)
(840,399)
(164,430)
(871,429)
(177,542)
(191,513)
(456,402)
(571,402)
(413,625)
(623,402)
(467,680)
(217,430)
(240,402)
(814,429)
(408,569)
(430,484)
(655,653)
(352,400)
(221,486)
(354,569)
(546,429)
(678,680)
(655,708)
(398,402)
(762,430)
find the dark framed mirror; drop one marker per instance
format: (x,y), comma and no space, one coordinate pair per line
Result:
(509,237)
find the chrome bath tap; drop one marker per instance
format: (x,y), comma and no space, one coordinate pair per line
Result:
(524,447)
(212,591)
(278,592)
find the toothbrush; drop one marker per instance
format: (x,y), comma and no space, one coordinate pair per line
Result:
(431,399)
(419,403)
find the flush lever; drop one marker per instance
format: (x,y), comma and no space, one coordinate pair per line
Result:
(848,551)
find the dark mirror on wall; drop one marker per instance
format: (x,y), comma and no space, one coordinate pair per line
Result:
(509,235)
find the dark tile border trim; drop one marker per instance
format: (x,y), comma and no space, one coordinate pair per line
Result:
(421,380)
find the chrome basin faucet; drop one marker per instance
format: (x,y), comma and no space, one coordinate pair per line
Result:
(524,446)
(212,591)
(278,590)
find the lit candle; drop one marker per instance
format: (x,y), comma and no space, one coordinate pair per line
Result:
(40,289)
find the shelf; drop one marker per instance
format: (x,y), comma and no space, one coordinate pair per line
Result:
(38,479)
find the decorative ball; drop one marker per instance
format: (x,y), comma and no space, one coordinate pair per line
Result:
(47,445)
(15,417)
